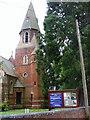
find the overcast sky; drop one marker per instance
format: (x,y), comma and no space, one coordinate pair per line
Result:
(12,14)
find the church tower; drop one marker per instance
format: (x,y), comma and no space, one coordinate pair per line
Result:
(30,92)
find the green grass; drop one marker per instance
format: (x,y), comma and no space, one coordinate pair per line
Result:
(19,111)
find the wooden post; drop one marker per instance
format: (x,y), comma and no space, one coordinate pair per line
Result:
(82,70)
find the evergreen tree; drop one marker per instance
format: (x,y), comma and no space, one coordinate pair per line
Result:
(58,53)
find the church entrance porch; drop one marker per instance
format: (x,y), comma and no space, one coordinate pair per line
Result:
(18,97)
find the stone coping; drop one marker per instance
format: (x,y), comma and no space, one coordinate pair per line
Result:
(23,115)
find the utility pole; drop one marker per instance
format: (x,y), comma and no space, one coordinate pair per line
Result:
(82,70)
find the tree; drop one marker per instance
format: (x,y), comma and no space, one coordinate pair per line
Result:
(59,46)
(72,68)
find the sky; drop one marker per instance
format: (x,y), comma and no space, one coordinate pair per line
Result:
(12,14)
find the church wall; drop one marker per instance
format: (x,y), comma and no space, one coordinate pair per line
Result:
(20,54)
(36,89)
(10,82)
(7,89)
(25,64)
(33,92)
(31,32)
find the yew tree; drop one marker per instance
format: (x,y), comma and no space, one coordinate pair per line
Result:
(58,52)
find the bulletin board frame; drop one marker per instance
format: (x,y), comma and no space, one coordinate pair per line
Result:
(63,99)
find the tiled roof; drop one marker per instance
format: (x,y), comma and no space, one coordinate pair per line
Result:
(30,21)
(7,66)
(18,83)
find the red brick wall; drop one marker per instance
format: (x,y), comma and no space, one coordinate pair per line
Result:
(31,82)
(6,91)
(20,53)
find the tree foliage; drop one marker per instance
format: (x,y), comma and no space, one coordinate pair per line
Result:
(58,53)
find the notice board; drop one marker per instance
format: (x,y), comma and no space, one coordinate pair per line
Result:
(62,99)
(55,99)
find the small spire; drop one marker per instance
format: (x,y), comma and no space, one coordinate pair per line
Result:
(30,21)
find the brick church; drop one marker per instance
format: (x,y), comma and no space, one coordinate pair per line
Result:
(20,85)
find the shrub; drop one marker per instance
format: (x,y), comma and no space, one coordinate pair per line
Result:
(3,107)
(45,104)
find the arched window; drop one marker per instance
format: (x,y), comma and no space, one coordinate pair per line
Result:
(25,59)
(11,87)
(26,37)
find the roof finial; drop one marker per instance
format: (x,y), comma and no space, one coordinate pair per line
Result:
(11,57)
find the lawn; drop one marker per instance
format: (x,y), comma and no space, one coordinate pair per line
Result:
(19,111)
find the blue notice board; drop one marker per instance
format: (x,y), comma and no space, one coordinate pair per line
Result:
(56,99)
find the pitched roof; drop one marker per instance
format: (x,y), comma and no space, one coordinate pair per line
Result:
(7,66)
(30,21)
(18,83)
